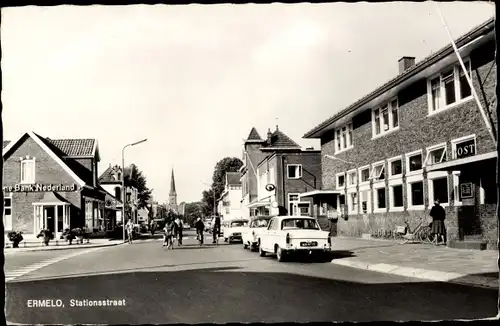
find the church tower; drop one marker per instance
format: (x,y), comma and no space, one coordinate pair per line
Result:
(172,196)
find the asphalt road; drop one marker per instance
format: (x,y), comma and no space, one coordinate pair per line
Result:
(226,283)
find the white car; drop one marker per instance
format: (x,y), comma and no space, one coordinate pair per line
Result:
(251,234)
(234,229)
(287,235)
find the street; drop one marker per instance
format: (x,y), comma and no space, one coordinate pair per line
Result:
(224,283)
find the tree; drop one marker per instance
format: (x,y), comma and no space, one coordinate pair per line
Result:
(207,202)
(192,212)
(135,178)
(227,164)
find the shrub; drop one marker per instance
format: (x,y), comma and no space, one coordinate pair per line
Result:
(15,237)
(47,235)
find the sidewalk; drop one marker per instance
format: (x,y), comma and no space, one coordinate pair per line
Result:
(62,245)
(424,261)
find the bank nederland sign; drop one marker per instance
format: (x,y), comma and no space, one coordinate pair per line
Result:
(40,188)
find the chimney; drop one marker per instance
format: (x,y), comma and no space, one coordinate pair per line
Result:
(269,134)
(405,63)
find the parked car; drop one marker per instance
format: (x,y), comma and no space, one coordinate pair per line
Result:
(288,235)
(234,230)
(251,234)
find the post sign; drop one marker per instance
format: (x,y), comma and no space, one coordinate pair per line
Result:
(466,148)
(466,190)
(40,188)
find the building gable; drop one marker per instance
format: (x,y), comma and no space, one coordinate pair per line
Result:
(49,168)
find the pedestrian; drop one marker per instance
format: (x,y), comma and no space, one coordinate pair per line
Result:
(168,236)
(200,227)
(438,229)
(216,227)
(130,229)
(179,229)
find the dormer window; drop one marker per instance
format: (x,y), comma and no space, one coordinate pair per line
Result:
(28,170)
(385,118)
(343,138)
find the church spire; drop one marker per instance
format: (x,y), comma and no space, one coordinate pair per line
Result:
(172,184)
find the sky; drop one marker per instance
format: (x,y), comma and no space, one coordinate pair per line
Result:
(195,79)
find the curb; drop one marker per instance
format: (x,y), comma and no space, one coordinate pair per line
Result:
(65,247)
(423,274)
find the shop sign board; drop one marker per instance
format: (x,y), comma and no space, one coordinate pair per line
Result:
(37,187)
(466,190)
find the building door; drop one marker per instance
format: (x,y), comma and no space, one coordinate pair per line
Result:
(49,218)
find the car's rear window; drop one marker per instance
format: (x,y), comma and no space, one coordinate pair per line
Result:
(236,224)
(300,223)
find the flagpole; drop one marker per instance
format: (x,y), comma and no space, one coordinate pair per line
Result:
(469,80)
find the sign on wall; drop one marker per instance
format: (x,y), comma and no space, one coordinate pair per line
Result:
(40,188)
(466,190)
(466,148)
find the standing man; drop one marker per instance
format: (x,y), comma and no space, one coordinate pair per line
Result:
(179,229)
(130,229)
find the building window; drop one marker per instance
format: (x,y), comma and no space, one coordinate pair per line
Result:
(352,178)
(379,196)
(448,88)
(28,170)
(395,167)
(414,162)
(397,196)
(416,194)
(438,189)
(435,155)
(343,138)
(378,171)
(340,180)
(118,193)
(385,118)
(294,171)
(365,201)
(7,212)
(464,147)
(455,192)
(292,200)
(352,202)
(303,209)
(364,174)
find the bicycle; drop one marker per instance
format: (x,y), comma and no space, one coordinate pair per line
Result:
(421,233)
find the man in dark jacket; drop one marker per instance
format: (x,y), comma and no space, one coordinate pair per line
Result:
(200,228)
(216,228)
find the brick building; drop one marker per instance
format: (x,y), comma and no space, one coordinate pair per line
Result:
(275,171)
(418,138)
(51,183)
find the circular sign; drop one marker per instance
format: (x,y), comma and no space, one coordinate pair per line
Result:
(270,187)
(274,204)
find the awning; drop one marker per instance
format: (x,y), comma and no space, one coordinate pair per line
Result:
(320,192)
(259,204)
(452,165)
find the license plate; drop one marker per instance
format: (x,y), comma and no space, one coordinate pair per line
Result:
(309,244)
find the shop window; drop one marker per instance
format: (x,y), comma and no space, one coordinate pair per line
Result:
(28,171)
(439,190)
(397,196)
(380,198)
(303,209)
(7,212)
(364,201)
(416,194)
(294,171)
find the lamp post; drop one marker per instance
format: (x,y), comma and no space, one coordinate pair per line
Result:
(123,183)
(213,191)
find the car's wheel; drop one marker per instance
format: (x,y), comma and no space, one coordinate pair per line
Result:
(245,245)
(252,247)
(280,254)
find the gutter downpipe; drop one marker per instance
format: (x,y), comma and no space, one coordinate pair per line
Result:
(481,109)
(283,182)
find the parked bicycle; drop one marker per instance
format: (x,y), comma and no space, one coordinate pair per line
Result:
(421,233)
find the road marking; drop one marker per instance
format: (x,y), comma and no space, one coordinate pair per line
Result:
(12,275)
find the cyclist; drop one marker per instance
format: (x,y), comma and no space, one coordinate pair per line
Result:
(200,227)
(216,228)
